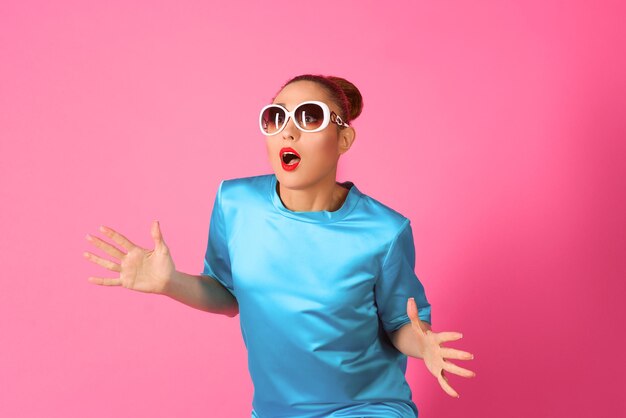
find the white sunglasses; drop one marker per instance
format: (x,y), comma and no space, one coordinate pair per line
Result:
(311,116)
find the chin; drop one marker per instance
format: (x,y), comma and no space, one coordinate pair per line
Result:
(287,181)
(290,180)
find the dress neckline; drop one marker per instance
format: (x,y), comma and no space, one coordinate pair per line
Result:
(321,216)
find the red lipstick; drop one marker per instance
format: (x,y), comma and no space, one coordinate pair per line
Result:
(289,158)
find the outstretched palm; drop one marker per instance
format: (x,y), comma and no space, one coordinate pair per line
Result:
(140,269)
(434,354)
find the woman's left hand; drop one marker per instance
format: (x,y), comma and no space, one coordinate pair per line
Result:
(434,354)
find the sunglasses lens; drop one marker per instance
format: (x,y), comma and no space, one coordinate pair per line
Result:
(272,119)
(309,116)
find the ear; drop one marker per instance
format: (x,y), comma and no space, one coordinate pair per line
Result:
(346,138)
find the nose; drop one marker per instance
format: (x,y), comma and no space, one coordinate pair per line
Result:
(290,131)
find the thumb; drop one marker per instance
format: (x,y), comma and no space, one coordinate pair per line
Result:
(157,236)
(412,312)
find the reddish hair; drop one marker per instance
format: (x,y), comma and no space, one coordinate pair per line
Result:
(341,91)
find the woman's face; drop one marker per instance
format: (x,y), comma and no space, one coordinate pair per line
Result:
(319,151)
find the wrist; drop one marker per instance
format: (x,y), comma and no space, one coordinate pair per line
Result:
(169,284)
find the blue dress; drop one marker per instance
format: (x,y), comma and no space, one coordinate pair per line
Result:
(317,293)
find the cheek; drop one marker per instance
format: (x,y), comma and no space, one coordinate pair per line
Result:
(272,153)
(323,151)
(272,149)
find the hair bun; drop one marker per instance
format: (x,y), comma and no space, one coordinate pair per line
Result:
(344,93)
(352,94)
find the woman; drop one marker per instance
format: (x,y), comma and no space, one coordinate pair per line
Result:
(321,274)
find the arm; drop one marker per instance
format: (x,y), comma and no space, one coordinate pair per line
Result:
(405,341)
(201,292)
(153,271)
(426,344)
(396,283)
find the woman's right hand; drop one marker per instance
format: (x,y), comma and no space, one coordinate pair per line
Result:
(140,269)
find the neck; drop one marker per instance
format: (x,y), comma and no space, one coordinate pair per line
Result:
(325,195)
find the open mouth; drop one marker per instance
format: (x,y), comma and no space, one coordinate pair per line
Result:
(289,158)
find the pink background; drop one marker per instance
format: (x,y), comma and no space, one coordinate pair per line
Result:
(498,128)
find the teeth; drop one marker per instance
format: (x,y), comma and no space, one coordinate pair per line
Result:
(294,159)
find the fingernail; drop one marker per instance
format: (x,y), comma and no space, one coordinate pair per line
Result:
(88,237)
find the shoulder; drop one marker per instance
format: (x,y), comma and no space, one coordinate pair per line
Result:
(244,190)
(245,184)
(387,222)
(392,229)
(384,212)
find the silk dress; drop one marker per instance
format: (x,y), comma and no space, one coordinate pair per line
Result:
(318,293)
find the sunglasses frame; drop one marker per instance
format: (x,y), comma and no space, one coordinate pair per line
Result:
(329,116)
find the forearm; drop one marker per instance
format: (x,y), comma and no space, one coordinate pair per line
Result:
(404,339)
(201,292)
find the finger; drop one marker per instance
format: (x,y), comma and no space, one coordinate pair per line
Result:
(453,368)
(413,313)
(117,237)
(157,235)
(443,382)
(101,261)
(105,246)
(443,337)
(453,353)
(103,281)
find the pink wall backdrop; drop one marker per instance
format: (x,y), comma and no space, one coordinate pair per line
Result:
(497,127)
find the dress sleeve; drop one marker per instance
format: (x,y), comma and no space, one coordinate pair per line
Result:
(217,258)
(397,282)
